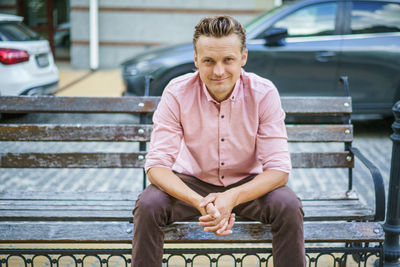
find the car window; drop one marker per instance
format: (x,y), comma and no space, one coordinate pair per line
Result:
(312,20)
(258,21)
(375,17)
(16,31)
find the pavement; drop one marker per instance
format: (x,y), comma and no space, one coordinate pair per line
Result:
(74,82)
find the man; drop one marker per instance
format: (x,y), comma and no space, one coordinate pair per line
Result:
(219,148)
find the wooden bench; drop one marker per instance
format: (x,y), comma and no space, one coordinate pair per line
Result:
(335,222)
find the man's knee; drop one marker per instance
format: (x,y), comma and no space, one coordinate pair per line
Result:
(152,202)
(285,203)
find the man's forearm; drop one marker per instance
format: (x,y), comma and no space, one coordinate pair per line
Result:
(261,184)
(170,183)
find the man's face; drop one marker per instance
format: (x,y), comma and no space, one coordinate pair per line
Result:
(219,61)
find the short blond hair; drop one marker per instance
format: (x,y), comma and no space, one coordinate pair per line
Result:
(219,26)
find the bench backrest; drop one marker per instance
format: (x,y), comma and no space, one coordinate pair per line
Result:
(335,107)
(301,127)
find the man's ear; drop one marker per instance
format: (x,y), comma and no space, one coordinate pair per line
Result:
(195,59)
(244,57)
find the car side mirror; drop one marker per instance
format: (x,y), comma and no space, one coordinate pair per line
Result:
(276,36)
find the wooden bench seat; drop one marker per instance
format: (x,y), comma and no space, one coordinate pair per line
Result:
(117,206)
(106,217)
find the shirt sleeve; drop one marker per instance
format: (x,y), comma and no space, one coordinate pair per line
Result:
(272,145)
(167,133)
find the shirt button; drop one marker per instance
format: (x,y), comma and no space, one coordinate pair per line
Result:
(222,116)
(222,163)
(222,177)
(222,140)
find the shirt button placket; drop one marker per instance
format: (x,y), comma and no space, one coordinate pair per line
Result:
(222,132)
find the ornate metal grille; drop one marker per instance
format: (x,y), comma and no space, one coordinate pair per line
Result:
(215,257)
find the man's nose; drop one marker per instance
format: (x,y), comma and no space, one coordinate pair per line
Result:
(219,69)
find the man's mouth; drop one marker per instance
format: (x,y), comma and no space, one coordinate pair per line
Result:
(219,79)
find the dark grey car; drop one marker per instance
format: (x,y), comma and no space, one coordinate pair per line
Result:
(304,48)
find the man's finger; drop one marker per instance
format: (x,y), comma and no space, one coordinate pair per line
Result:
(228,228)
(212,210)
(206,218)
(208,224)
(223,228)
(208,199)
(232,220)
(215,228)
(225,233)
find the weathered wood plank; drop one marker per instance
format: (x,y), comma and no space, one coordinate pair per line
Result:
(44,204)
(136,160)
(121,232)
(322,160)
(248,232)
(72,160)
(63,132)
(122,210)
(24,104)
(316,105)
(35,104)
(68,195)
(320,133)
(19,195)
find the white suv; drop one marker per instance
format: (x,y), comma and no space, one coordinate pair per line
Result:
(26,62)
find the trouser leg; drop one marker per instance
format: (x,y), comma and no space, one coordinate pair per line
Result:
(283,210)
(153,210)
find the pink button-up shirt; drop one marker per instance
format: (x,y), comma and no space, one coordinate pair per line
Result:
(219,143)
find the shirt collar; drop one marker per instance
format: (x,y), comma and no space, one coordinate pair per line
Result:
(234,95)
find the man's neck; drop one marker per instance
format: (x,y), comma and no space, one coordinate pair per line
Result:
(220,97)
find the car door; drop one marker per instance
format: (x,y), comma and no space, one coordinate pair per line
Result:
(371,55)
(306,63)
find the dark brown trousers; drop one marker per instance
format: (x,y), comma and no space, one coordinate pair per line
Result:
(281,208)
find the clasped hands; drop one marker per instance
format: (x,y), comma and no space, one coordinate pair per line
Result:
(217,216)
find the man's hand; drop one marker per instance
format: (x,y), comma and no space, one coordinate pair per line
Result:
(219,218)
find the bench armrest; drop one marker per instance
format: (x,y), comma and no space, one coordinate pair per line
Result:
(380,199)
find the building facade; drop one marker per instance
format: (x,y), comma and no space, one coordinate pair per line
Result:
(104,33)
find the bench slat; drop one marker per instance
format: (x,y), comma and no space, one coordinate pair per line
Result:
(120,232)
(24,104)
(36,104)
(62,132)
(72,160)
(18,195)
(45,210)
(136,160)
(127,205)
(320,133)
(316,105)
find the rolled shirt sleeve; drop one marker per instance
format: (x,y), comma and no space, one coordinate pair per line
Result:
(271,143)
(167,133)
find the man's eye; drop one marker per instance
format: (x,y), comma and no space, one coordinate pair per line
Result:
(207,60)
(229,59)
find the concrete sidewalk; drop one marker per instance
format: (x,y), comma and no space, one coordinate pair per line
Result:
(89,83)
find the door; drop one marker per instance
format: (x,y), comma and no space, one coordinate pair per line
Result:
(371,55)
(50,19)
(306,63)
